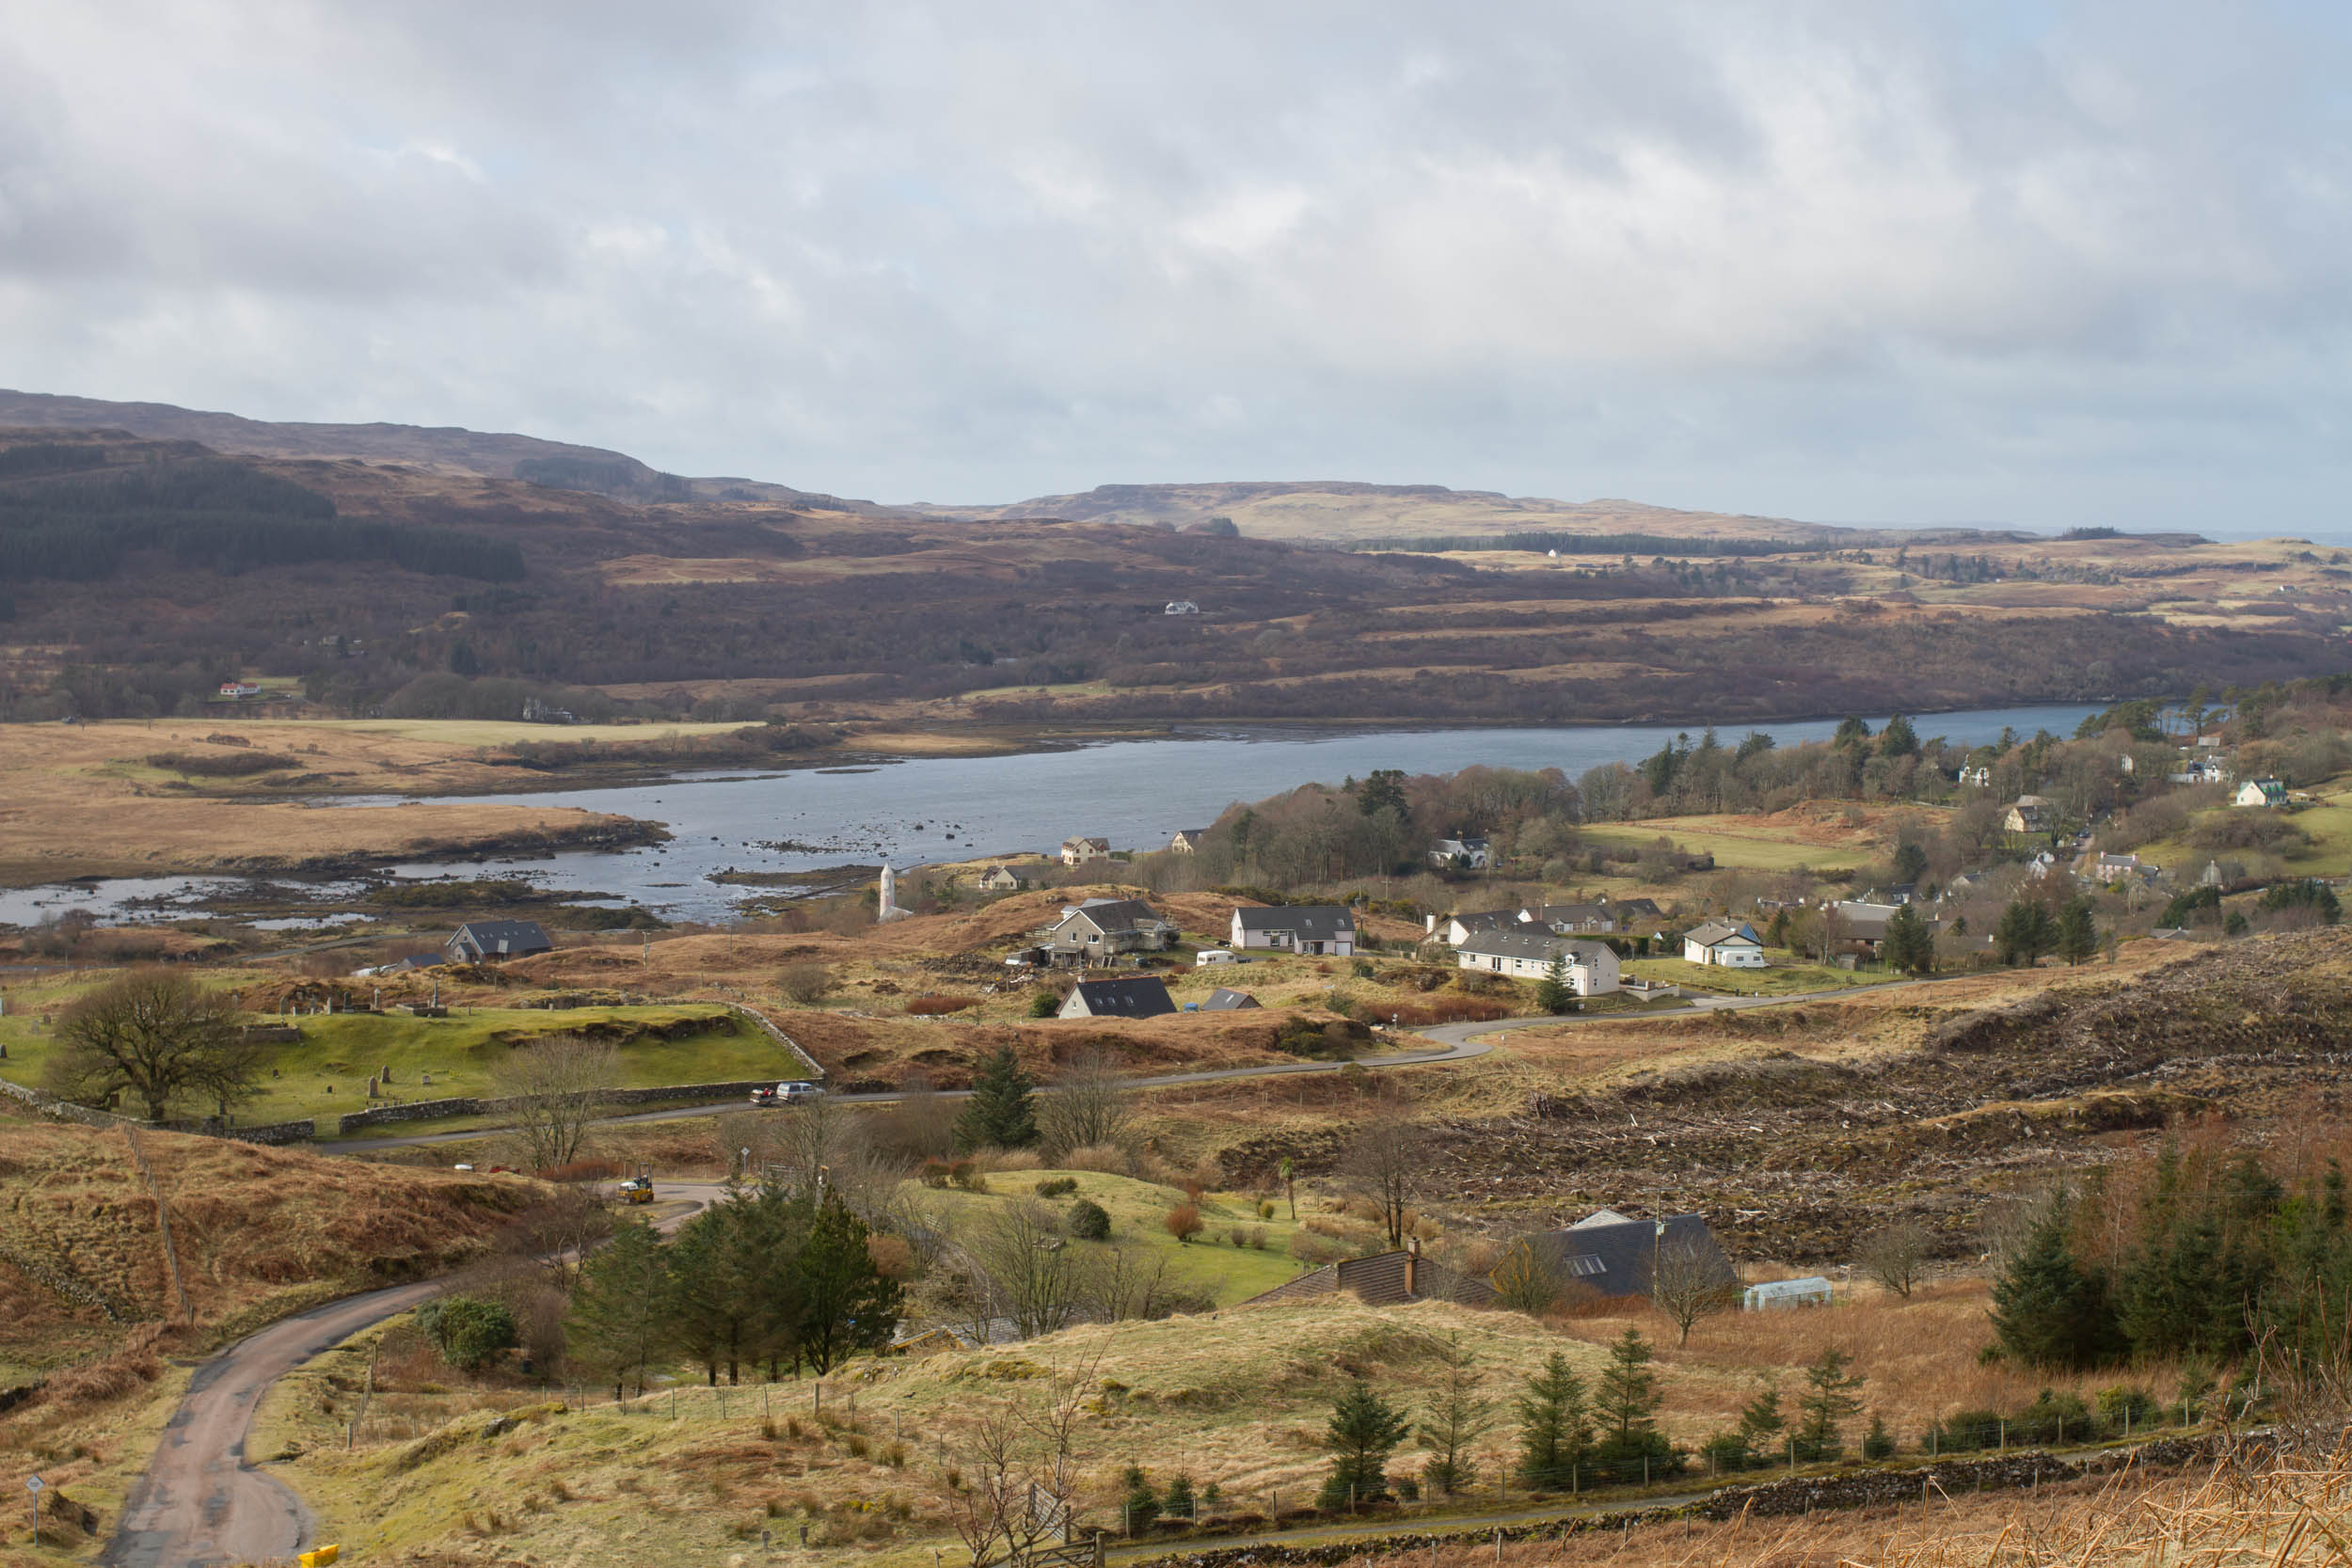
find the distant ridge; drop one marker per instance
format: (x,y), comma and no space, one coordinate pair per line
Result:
(445,449)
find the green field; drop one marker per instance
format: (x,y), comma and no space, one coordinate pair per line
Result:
(1209,1263)
(2328,825)
(1746,851)
(324,1074)
(1786,977)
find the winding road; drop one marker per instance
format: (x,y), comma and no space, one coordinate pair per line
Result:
(202,1502)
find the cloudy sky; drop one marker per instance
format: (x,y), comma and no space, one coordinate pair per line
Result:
(2040,264)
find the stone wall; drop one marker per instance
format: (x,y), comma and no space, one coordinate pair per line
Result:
(429,1110)
(50,1105)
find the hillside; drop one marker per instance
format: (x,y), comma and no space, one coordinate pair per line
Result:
(1343,510)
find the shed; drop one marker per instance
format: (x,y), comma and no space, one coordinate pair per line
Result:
(1812,1290)
(1226,1000)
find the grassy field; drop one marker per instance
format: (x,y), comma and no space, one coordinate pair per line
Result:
(1786,976)
(2328,825)
(1209,1265)
(324,1074)
(1754,844)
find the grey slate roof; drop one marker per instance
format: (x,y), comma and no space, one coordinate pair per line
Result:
(1380,1281)
(1313,921)
(1226,1000)
(1717,931)
(1540,945)
(502,938)
(1615,1258)
(1111,915)
(1146,997)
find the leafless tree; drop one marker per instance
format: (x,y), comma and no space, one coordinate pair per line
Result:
(158,1036)
(1385,1164)
(1525,1281)
(1090,1103)
(555,1233)
(1894,1254)
(1037,1277)
(558,1087)
(1688,1280)
(1014,1483)
(923,1125)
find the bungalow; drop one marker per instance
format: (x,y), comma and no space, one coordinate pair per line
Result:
(408,962)
(1226,1000)
(1144,997)
(487,940)
(1590,967)
(239,688)
(1721,942)
(1461,854)
(1456,930)
(1099,928)
(1613,1256)
(1573,919)
(2260,792)
(1860,926)
(1326,928)
(2031,814)
(999,879)
(1078,851)
(1636,914)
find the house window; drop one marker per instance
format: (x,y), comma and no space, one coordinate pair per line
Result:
(1584,1265)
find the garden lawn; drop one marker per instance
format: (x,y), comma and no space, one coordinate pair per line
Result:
(1209,1265)
(324,1074)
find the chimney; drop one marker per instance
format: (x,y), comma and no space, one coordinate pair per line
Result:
(1429,924)
(1412,1265)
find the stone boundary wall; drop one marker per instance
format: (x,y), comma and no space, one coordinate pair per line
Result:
(64,1109)
(428,1110)
(766,1027)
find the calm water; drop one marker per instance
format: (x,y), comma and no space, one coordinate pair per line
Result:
(1135,793)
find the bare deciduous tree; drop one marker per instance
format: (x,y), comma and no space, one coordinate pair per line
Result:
(1014,1485)
(1688,1280)
(1088,1105)
(1525,1281)
(1895,1254)
(1036,1277)
(1385,1164)
(922,1126)
(556,1085)
(158,1036)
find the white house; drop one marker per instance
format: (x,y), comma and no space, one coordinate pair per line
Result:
(1723,943)
(2260,792)
(1977,777)
(239,689)
(1181,607)
(2031,814)
(1327,929)
(1078,851)
(1100,928)
(1456,930)
(999,879)
(1187,841)
(1572,920)
(1591,966)
(1467,854)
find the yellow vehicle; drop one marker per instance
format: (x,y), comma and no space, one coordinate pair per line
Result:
(637,1189)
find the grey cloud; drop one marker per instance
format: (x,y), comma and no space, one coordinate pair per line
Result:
(2046,264)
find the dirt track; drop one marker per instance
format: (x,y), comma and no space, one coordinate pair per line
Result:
(201,1501)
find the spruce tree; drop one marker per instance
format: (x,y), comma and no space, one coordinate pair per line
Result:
(2047,1310)
(1456,1417)
(1555,1428)
(1910,946)
(1139,1503)
(2076,934)
(1761,1422)
(1365,1429)
(1554,994)
(619,1323)
(1828,1402)
(1626,1398)
(1002,1112)
(847,1303)
(1178,1502)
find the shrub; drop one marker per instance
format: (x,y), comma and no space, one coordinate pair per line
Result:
(1257,1237)
(1109,1159)
(1878,1443)
(469,1331)
(1090,1221)
(1045,1004)
(1238,1235)
(967,1177)
(2052,1418)
(1966,1430)
(936,1173)
(934,1006)
(805,983)
(1058,1186)
(1184,1221)
(1361,969)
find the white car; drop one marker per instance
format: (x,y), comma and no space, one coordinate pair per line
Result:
(1208,956)
(789,1093)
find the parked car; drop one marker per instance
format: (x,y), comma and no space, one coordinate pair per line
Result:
(790,1092)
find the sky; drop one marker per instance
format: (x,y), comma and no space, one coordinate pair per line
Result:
(1984,262)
